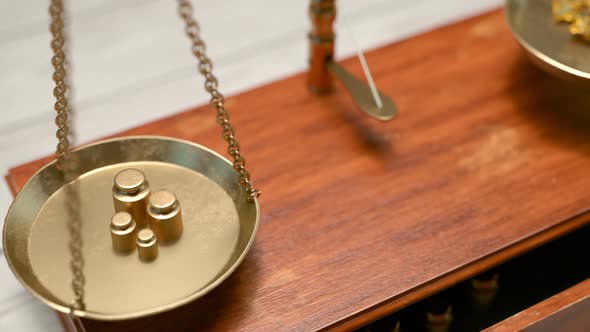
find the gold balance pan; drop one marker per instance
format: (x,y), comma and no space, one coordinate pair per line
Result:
(219,228)
(548,43)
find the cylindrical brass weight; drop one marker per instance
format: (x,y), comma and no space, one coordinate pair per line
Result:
(147,245)
(165,215)
(130,193)
(123,232)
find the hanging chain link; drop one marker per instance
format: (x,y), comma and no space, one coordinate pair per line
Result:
(192,30)
(66,163)
(74,226)
(59,77)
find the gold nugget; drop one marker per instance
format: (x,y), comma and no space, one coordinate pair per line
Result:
(566,10)
(574,12)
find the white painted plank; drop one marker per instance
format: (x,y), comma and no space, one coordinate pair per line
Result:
(19,311)
(11,288)
(29,315)
(21,18)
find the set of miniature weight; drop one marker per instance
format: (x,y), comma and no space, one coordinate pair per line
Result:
(142,218)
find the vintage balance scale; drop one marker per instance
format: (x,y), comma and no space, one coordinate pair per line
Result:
(351,231)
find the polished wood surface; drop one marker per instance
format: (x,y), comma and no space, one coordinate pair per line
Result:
(566,311)
(488,158)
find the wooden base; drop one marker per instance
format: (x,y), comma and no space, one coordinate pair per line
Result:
(488,158)
(566,311)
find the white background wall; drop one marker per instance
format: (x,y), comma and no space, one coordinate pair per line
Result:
(131,64)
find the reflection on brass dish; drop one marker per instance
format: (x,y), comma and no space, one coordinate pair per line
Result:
(219,228)
(549,45)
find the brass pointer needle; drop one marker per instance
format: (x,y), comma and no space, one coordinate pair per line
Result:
(366,96)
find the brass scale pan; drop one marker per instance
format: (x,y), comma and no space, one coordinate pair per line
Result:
(219,228)
(549,44)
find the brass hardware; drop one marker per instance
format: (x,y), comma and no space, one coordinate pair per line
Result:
(58,60)
(165,216)
(439,321)
(485,283)
(123,232)
(130,193)
(65,163)
(147,245)
(362,95)
(321,44)
(220,232)
(484,289)
(321,59)
(227,209)
(193,32)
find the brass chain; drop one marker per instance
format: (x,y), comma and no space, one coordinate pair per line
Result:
(66,163)
(74,226)
(193,31)
(59,77)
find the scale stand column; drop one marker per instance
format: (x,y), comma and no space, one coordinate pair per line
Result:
(321,45)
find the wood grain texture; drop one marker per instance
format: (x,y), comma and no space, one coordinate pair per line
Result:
(488,158)
(566,311)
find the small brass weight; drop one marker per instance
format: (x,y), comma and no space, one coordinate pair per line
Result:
(147,245)
(159,213)
(123,229)
(165,216)
(130,192)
